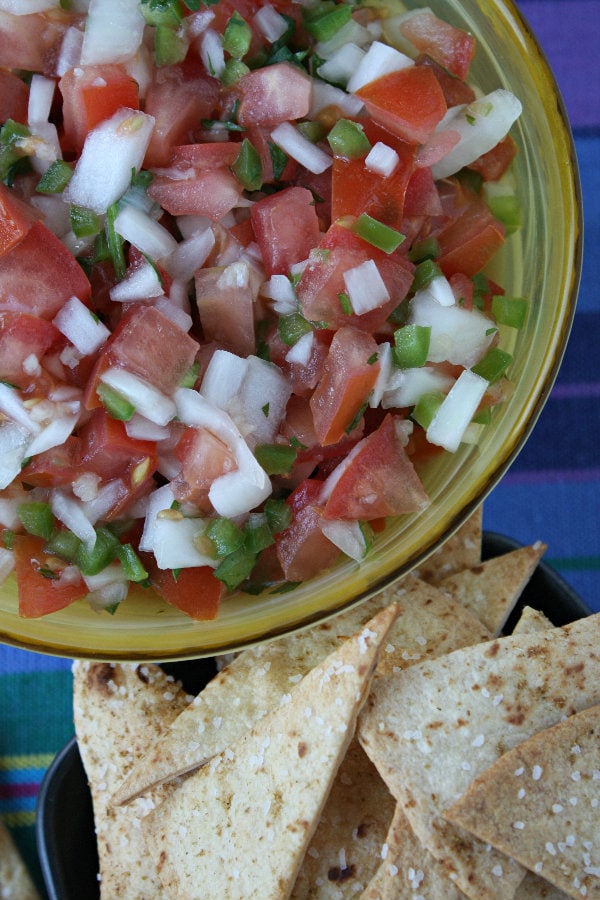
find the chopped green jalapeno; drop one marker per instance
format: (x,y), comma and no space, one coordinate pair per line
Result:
(411,346)
(37,518)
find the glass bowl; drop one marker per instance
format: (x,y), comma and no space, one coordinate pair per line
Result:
(542,262)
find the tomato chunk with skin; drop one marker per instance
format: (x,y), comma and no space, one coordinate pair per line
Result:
(16,218)
(349,375)
(41,588)
(90,95)
(203,458)
(357,190)
(55,467)
(302,548)
(14,98)
(286,228)
(470,242)
(451,47)
(39,274)
(194,591)
(273,94)
(211,193)
(376,479)
(410,102)
(225,301)
(23,337)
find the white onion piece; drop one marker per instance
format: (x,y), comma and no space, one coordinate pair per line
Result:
(456,411)
(142,429)
(149,236)
(80,326)
(70,512)
(324,94)
(69,54)
(264,396)
(406,386)
(139,284)
(458,335)
(198,22)
(223,378)
(270,23)
(111,574)
(381,159)
(211,52)
(280,290)
(289,139)
(174,313)
(300,353)
(191,225)
(235,493)
(13,449)
(7,563)
(347,536)
(191,254)
(175,543)
(41,92)
(54,434)
(147,400)
(481,125)
(55,212)
(9,516)
(162,498)
(351,32)
(13,407)
(26,7)
(385,369)
(110,152)
(113,31)
(342,64)
(439,290)
(106,497)
(365,286)
(110,594)
(380,59)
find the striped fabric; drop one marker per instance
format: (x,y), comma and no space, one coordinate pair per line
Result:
(552,491)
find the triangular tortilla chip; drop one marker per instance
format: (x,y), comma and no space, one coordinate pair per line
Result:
(535,888)
(532,621)
(491,589)
(407,871)
(15,880)
(461,551)
(540,803)
(258,679)
(346,848)
(118,709)
(249,814)
(431,729)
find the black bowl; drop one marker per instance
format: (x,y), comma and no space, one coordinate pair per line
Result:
(65,820)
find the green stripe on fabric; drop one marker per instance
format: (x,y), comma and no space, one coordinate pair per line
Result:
(36,711)
(24,761)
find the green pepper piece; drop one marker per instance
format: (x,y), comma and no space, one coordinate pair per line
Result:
(37,518)
(376,233)
(276,459)
(411,346)
(103,552)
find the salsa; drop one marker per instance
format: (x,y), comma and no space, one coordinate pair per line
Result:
(242,288)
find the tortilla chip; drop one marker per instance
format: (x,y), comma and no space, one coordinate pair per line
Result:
(117,710)
(532,621)
(432,728)
(248,816)
(258,679)
(535,888)
(540,803)
(345,850)
(461,551)
(15,880)
(491,589)
(407,871)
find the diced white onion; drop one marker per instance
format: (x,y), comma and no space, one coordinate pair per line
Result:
(280,290)
(162,498)
(211,52)
(54,434)
(365,286)
(264,396)
(146,399)
(69,54)
(324,94)
(13,449)
(301,352)
(385,369)
(139,284)
(113,31)
(9,505)
(380,59)
(41,92)
(342,64)
(27,7)
(110,152)
(381,159)
(191,225)
(107,496)
(144,430)
(80,326)
(347,536)
(456,411)
(7,563)
(351,32)
(149,236)
(458,335)
(175,313)
(439,290)
(70,512)
(270,23)
(191,254)
(235,494)
(223,378)
(13,407)
(481,125)
(406,386)
(289,139)
(198,22)
(55,212)
(175,543)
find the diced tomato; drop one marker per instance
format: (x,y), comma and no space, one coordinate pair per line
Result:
(16,217)
(377,479)
(356,189)
(14,97)
(302,548)
(39,274)
(462,288)
(178,105)
(409,102)
(452,48)
(349,375)
(422,198)
(260,138)
(493,164)
(32,42)
(211,193)
(22,337)
(55,467)
(455,89)
(273,94)
(195,591)
(471,241)
(91,94)
(225,304)
(40,586)
(203,458)
(286,228)
(205,156)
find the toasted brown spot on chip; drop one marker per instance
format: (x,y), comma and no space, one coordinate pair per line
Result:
(340,874)
(302,749)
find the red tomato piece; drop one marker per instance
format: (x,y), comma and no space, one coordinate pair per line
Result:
(273,94)
(205,156)
(211,193)
(356,190)
(452,48)
(55,467)
(32,42)
(422,198)
(349,375)
(260,138)
(493,164)
(16,217)
(302,548)
(377,479)
(471,241)
(203,458)
(14,97)
(22,336)
(286,228)
(410,103)
(226,309)
(195,591)
(90,95)
(40,586)
(39,274)
(455,89)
